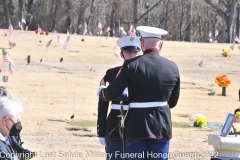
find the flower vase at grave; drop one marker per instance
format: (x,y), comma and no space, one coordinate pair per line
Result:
(239,94)
(223,91)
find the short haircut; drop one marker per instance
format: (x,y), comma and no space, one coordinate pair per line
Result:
(10,108)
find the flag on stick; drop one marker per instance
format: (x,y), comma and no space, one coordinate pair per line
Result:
(85,28)
(23,21)
(65,44)
(79,26)
(10,28)
(200,64)
(99,25)
(60,40)
(49,43)
(116,53)
(6,57)
(39,28)
(216,33)
(11,68)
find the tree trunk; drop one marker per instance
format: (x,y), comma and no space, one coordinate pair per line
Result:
(5,5)
(20,9)
(113,20)
(166,17)
(59,15)
(231,18)
(54,15)
(135,11)
(237,21)
(181,21)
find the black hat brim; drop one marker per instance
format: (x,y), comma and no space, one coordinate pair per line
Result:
(130,48)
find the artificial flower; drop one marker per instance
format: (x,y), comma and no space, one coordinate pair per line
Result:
(222,80)
(238,114)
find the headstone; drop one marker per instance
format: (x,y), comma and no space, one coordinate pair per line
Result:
(28,59)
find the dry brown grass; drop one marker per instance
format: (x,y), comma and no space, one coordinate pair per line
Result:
(47,90)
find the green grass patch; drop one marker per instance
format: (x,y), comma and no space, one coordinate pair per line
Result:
(181,125)
(86,123)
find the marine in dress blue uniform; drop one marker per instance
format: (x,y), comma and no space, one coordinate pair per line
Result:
(154,86)
(108,125)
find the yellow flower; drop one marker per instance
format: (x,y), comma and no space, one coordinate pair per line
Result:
(238,114)
(200,121)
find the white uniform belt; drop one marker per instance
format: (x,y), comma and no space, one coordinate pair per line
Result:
(117,106)
(147,104)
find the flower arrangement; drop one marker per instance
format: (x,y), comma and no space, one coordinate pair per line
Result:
(238,114)
(222,80)
(12,44)
(226,52)
(47,33)
(199,120)
(42,33)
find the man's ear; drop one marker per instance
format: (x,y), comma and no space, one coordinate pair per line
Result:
(4,120)
(121,53)
(160,45)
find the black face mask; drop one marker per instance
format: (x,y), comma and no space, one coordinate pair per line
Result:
(16,129)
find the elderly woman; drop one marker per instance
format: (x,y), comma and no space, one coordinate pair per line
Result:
(10,125)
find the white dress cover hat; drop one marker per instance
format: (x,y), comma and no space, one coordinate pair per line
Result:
(129,43)
(147,31)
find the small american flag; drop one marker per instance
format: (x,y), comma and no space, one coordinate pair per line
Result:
(85,28)
(108,29)
(60,40)
(134,32)
(237,39)
(210,34)
(11,68)
(100,32)
(216,33)
(79,26)
(49,43)
(99,25)
(65,44)
(113,31)
(20,25)
(116,53)
(123,32)
(23,21)
(130,30)
(6,57)
(10,28)
(39,28)
(200,64)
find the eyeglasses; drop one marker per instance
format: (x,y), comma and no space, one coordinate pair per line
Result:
(131,52)
(12,120)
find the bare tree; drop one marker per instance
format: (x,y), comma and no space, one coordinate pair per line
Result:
(227,10)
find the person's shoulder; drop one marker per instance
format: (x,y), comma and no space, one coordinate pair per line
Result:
(133,59)
(168,61)
(113,69)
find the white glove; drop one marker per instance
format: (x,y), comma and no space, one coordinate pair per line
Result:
(125,91)
(101,87)
(102,141)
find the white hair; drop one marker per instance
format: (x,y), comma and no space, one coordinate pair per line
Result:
(10,108)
